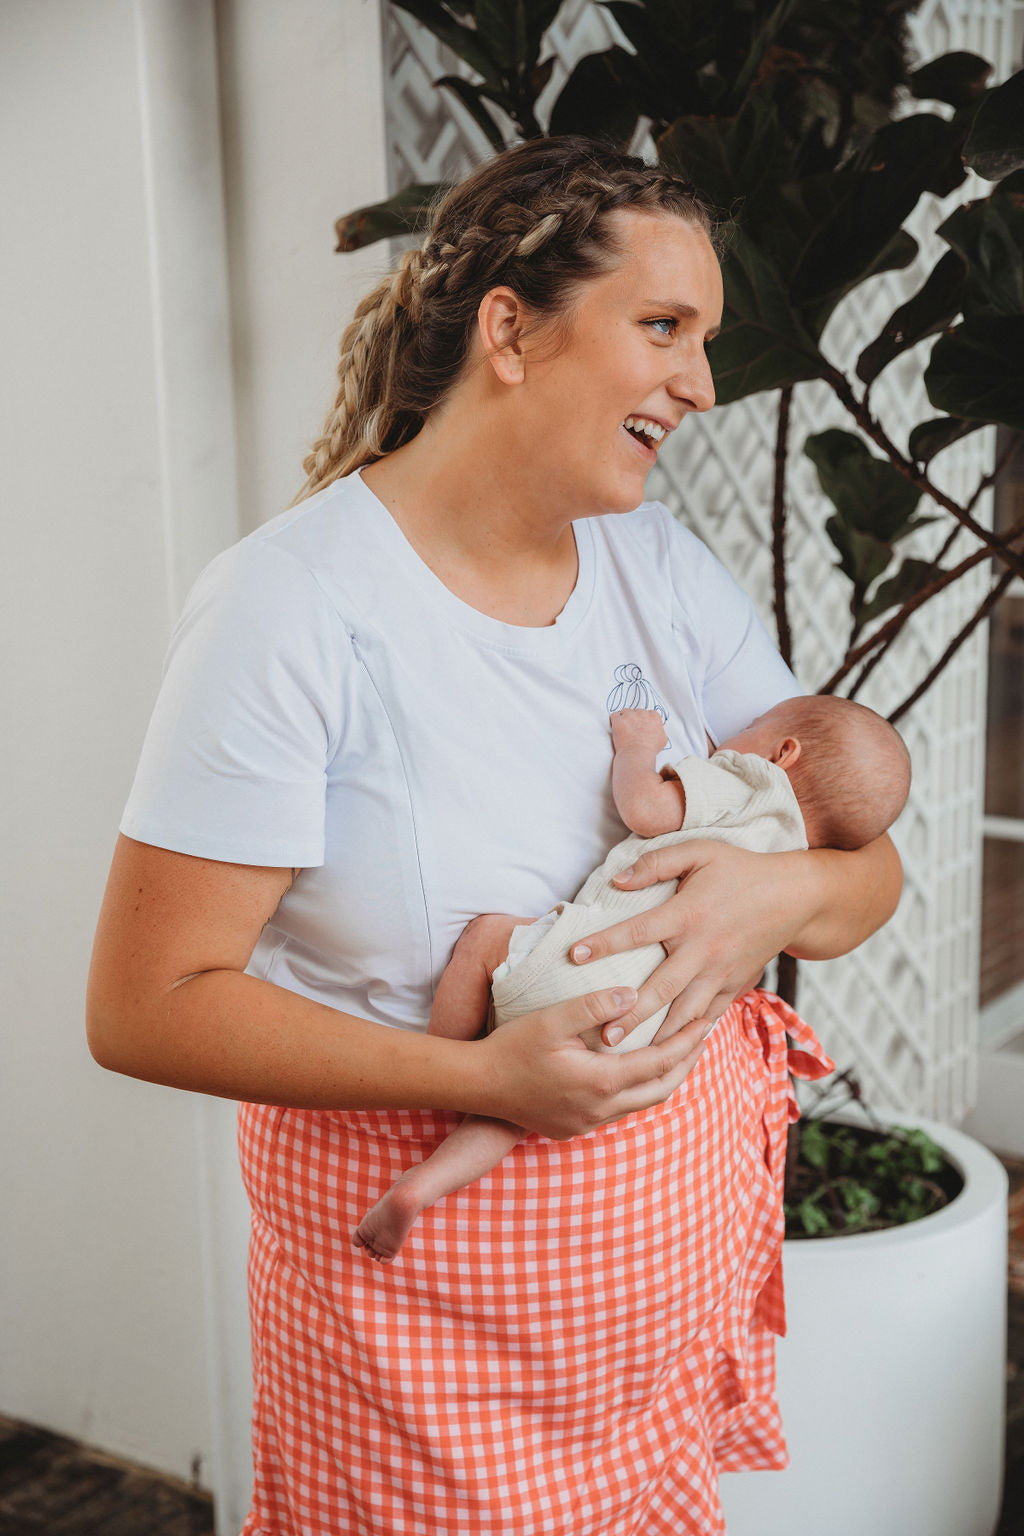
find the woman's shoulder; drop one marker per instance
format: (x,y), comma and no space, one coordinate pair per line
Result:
(307,556)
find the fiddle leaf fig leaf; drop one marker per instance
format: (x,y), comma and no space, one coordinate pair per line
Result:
(995,144)
(911,578)
(469,96)
(870,202)
(869,494)
(599,97)
(862,557)
(763,344)
(454,34)
(989,234)
(934,307)
(501,28)
(956,78)
(931,437)
(977,370)
(404,214)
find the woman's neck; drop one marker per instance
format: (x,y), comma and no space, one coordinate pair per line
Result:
(471,519)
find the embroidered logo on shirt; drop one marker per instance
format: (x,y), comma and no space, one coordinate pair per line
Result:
(633,691)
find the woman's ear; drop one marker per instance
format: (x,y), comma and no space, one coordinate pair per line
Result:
(787,753)
(501,320)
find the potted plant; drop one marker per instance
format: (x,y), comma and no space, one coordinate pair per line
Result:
(789,118)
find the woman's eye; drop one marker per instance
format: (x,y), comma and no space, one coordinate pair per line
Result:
(665,325)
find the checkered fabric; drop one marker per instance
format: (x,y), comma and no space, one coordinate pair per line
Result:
(576,1344)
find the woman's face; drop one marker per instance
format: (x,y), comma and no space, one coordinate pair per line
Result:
(635,352)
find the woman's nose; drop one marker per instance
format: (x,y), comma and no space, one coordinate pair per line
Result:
(694,384)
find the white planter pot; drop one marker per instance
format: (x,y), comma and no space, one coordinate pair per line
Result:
(892,1376)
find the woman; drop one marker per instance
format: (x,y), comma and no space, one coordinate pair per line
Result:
(385,713)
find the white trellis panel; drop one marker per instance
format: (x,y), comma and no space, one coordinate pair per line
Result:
(902,1009)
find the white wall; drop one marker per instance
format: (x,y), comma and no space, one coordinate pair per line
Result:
(304,142)
(120,1287)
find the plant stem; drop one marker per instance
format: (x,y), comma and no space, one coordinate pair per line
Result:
(779,529)
(871,428)
(891,628)
(995,593)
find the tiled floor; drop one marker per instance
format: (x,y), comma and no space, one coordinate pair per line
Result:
(51,1487)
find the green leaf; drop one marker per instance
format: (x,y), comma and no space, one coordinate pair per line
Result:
(729,159)
(977,371)
(869,494)
(540,14)
(814,1144)
(934,307)
(989,234)
(956,78)
(405,213)
(453,34)
(995,144)
(912,576)
(763,344)
(861,556)
(811,1217)
(501,28)
(469,96)
(673,40)
(931,437)
(869,204)
(598,98)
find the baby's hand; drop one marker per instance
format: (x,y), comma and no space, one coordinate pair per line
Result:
(639,728)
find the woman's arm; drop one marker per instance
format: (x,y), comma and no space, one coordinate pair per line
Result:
(169,1002)
(736,910)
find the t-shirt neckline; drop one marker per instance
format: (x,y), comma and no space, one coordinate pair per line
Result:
(518,637)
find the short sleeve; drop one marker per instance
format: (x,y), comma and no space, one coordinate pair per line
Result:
(738,671)
(234,764)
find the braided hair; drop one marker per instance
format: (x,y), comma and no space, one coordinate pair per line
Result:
(534,219)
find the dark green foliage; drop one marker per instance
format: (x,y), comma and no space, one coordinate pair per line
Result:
(785,115)
(874,508)
(995,146)
(847,1179)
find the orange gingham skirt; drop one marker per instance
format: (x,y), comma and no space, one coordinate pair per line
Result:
(577,1344)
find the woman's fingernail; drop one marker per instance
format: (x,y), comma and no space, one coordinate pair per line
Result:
(707,1030)
(626,874)
(614,1035)
(623,997)
(581,952)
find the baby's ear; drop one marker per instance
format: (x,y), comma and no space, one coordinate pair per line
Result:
(787,753)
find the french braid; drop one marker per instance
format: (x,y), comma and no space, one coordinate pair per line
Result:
(534,218)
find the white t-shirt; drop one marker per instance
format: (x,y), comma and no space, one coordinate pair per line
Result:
(328,704)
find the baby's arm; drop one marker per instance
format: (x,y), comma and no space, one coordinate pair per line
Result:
(464,992)
(647,803)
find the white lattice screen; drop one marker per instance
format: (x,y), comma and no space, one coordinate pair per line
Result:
(903,1008)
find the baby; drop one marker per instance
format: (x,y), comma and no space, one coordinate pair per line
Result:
(814,772)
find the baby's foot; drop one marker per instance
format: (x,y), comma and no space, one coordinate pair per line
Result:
(383,1230)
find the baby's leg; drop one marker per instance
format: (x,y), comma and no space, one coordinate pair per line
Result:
(473,1149)
(464,992)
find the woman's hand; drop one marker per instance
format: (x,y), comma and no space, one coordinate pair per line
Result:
(539,1074)
(735,911)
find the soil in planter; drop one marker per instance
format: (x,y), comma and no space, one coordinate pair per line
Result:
(852,1178)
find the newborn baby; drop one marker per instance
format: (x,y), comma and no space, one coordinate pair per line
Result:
(815,772)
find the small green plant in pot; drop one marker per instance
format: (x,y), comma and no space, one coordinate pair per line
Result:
(843,1177)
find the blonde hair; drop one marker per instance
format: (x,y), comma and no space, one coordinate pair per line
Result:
(533,218)
(852,777)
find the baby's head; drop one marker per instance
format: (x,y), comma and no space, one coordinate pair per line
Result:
(849,768)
